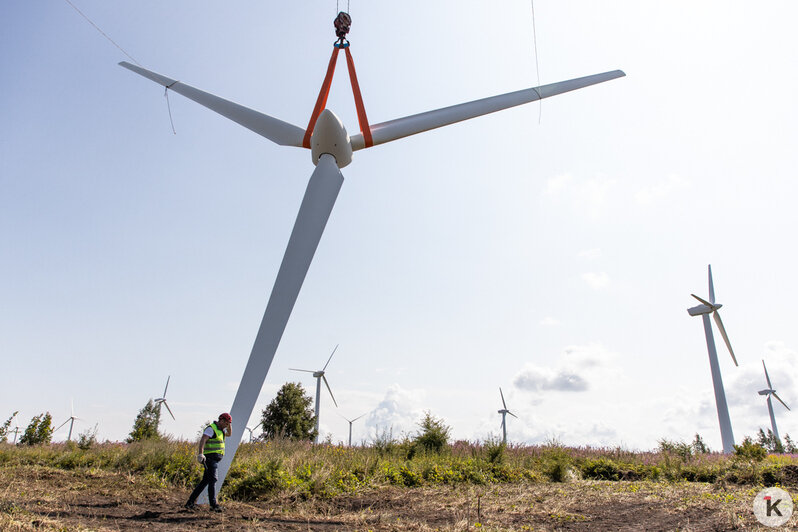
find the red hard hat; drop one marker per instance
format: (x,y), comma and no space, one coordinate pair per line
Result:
(225,417)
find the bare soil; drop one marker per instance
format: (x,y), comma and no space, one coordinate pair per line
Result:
(36,498)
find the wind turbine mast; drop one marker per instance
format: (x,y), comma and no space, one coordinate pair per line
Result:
(319,375)
(704,310)
(770,392)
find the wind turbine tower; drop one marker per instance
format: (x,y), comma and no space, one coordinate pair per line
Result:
(704,310)
(350,421)
(319,375)
(162,400)
(70,420)
(771,392)
(504,413)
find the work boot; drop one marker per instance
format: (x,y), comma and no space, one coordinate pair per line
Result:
(191,506)
(216,508)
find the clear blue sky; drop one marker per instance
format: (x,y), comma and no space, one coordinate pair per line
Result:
(513,250)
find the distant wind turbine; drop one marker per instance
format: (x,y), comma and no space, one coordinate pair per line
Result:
(704,310)
(504,413)
(771,392)
(162,400)
(319,374)
(350,425)
(16,431)
(70,420)
(250,433)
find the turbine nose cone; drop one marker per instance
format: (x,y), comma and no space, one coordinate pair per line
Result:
(330,136)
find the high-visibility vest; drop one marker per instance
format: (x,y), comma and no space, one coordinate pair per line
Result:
(215,444)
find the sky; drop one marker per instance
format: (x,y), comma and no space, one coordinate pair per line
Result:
(550,249)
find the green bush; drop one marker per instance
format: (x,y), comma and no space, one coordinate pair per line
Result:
(600,469)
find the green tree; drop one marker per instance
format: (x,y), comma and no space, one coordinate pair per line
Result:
(39,430)
(433,434)
(789,445)
(698,445)
(145,427)
(4,428)
(290,415)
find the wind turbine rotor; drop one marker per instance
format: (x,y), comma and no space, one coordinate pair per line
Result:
(704,301)
(711,286)
(782,402)
(266,126)
(329,390)
(767,377)
(305,370)
(328,360)
(62,424)
(166,387)
(169,409)
(502,394)
(516,417)
(722,330)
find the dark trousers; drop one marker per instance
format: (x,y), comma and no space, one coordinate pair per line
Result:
(208,479)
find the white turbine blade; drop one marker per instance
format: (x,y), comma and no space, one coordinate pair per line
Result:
(704,301)
(711,286)
(169,409)
(516,417)
(328,360)
(410,125)
(317,205)
(272,128)
(719,323)
(358,417)
(329,390)
(782,402)
(504,405)
(62,424)
(305,370)
(767,377)
(167,386)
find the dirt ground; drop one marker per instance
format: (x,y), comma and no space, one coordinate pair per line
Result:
(33,498)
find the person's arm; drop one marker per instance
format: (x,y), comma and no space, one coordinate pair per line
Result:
(201,448)
(228,431)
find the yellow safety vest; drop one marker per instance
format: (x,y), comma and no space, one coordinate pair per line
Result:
(215,444)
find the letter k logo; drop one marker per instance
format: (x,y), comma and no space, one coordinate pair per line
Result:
(772,507)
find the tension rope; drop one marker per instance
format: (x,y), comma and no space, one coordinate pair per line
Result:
(342,24)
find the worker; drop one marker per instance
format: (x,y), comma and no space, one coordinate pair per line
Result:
(211,451)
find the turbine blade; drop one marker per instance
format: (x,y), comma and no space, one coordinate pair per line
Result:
(782,402)
(167,386)
(328,360)
(273,129)
(330,390)
(516,417)
(358,417)
(767,377)
(62,424)
(169,409)
(504,405)
(719,323)
(410,125)
(711,286)
(305,370)
(704,301)
(317,205)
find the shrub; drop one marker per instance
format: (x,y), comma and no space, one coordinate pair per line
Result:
(494,450)
(600,469)
(145,426)
(748,450)
(39,431)
(433,436)
(290,415)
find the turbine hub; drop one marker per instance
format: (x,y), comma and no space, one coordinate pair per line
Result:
(318,374)
(330,136)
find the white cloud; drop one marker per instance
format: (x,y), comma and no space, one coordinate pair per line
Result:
(587,196)
(670,185)
(399,411)
(578,366)
(596,281)
(548,321)
(590,254)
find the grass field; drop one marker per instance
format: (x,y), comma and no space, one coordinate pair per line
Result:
(287,485)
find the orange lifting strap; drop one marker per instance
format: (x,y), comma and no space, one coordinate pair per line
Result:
(321,101)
